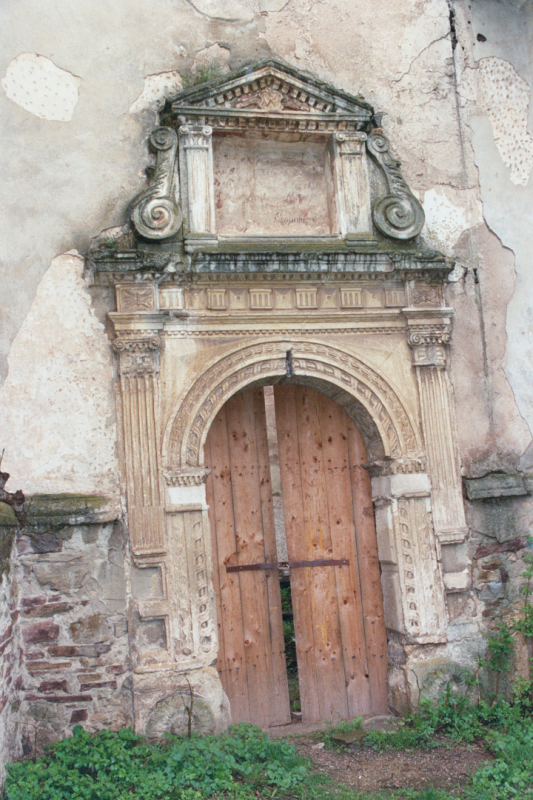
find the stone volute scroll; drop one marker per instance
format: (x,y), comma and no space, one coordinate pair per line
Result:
(399,214)
(156,212)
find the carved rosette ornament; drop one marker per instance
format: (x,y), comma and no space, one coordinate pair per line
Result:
(156,214)
(398,214)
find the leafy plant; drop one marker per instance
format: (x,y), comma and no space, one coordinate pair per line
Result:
(210,72)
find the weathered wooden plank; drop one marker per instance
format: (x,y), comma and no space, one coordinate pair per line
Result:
(293,503)
(333,423)
(323,599)
(369,572)
(231,663)
(279,712)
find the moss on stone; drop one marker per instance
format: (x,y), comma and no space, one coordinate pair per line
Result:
(58,510)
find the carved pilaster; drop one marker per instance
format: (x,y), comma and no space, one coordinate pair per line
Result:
(429,343)
(353,184)
(413,588)
(197,157)
(139,371)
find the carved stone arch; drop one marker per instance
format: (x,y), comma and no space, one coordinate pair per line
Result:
(368,395)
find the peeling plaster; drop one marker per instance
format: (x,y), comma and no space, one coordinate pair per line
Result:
(504,97)
(59,432)
(449,212)
(156,90)
(36,84)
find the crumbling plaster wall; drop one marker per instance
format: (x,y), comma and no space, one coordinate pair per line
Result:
(85,88)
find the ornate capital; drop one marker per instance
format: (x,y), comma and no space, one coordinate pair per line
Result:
(429,344)
(399,214)
(350,144)
(138,356)
(196,136)
(156,214)
(396,466)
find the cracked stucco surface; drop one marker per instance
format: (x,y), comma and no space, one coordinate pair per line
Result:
(63,182)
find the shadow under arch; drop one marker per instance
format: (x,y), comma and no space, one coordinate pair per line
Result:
(367,397)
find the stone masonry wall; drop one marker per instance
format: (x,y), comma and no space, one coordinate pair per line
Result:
(63,613)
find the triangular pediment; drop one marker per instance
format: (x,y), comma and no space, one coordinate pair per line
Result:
(272,89)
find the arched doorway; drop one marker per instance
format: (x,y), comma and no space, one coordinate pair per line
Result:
(331,549)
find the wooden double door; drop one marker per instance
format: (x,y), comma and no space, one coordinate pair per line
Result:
(328,518)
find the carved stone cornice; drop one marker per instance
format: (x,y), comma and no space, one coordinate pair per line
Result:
(138,356)
(186,477)
(156,212)
(398,466)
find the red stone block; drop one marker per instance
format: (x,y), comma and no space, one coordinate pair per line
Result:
(79,715)
(67,698)
(33,601)
(116,669)
(47,666)
(40,632)
(64,651)
(48,609)
(84,687)
(53,686)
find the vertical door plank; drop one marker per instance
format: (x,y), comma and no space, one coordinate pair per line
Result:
(323,600)
(369,572)
(301,590)
(279,709)
(333,422)
(231,661)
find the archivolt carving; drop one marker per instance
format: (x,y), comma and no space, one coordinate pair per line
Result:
(187,430)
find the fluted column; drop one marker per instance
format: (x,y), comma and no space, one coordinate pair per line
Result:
(196,155)
(353,184)
(139,373)
(429,343)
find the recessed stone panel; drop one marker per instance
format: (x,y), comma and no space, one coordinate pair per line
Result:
(273,187)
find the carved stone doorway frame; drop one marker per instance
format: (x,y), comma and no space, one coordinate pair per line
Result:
(358,313)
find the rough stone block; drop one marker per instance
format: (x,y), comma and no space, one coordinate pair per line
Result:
(40,633)
(53,686)
(496,484)
(84,687)
(47,666)
(64,651)
(93,628)
(48,609)
(79,715)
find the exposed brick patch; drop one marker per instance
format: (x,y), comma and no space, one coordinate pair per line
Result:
(64,651)
(40,632)
(67,698)
(84,687)
(79,715)
(53,686)
(116,669)
(49,609)
(47,666)
(511,546)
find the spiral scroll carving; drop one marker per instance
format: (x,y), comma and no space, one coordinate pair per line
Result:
(399,214)
(156,214)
